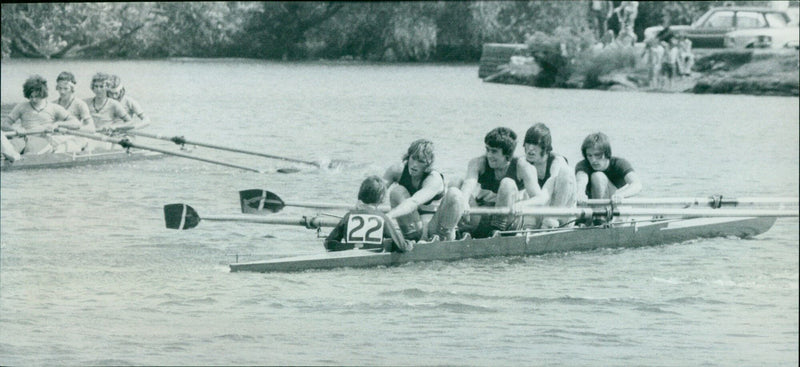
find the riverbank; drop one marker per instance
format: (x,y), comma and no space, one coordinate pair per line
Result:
(753,72)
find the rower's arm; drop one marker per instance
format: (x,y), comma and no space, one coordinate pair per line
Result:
(470,182)
(392,174)
(581,181)
(67,120)
(11,121)
(633,185)
(530,177)
(432,185)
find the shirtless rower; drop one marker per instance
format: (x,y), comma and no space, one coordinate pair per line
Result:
(555,176)
(495,179)
(36,114)
(117,91)
(366,226)
(418,191)
(603,176)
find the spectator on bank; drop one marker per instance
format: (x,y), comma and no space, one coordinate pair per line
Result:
(685,56)
(653,57)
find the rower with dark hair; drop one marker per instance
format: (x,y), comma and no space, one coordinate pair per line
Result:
(603,176)
(36,114)
(366,226)
(495,179)
(556,178)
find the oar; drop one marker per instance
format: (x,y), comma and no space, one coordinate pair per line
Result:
(590,212)
(255,201)
(183,216)
(181,141)
(11,134)
(712,201)
(125,143)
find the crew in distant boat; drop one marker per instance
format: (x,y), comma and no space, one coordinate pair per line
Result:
(65,86)
(419,189)
(603,176)
(366,226)
(555,176)
(117,91)
(35,115)
(495,179)
(108,114)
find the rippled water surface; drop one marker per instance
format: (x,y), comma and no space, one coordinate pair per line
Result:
(89,274)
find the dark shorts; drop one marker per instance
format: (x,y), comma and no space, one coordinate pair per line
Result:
(668,69)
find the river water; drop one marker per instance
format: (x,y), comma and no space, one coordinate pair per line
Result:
(90,276)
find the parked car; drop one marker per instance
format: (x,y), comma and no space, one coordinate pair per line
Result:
(786,37)
(710,29)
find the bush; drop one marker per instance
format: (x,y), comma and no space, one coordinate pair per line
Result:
(556,54)
(590,65)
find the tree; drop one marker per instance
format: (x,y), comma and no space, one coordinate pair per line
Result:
(278,30)
(61,29)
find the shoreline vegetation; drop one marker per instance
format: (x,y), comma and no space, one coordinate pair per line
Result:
(716,71)
(560,34)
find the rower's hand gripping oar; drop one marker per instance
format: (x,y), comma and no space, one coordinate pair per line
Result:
(182,216)
(125,143)
(180,140)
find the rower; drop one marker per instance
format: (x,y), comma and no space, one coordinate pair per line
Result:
(65,86)
(495,179)
(418,190)
(117,91)
(602,176)
(366,226)
(554,175)
(36,114)
(108,114)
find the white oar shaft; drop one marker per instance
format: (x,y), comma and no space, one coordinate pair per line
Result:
(181,140)
(311,222)
(589,212)
(322,205)
(126,143)
(11,134)
(699,201)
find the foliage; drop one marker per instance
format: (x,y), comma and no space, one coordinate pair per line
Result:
(386,31)
(593,64)
(556,53)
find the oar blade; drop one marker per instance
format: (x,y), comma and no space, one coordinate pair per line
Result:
(255,201)
(180,216)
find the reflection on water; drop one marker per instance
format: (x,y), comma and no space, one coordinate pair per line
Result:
(85,252)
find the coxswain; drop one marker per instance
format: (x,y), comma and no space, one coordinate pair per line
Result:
(366,226)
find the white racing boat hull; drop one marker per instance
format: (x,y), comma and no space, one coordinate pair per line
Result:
(621,235)
(63,160)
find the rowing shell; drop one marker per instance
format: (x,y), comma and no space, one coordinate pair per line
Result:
(62,160)
(635,234)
